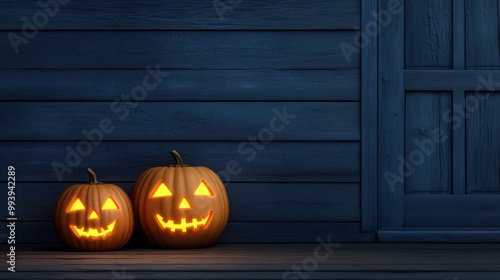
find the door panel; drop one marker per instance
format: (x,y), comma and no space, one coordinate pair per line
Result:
(439,144)
(430,160)
(482,45)
(483,146)
(428,29)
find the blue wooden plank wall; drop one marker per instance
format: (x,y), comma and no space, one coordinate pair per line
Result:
(222,76)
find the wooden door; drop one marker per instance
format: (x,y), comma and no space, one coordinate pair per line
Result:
(439,122)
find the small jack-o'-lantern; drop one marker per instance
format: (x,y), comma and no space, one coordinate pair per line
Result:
(94,216)
(180,206)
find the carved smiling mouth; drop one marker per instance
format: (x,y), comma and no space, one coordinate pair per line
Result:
(183,225)
(94,232)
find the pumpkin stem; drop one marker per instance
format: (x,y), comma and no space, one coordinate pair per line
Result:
(177,159)
(92,176)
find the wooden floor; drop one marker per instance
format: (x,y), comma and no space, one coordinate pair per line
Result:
(264,261)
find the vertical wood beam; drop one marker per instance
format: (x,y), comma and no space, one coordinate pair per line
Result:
(369,191)
(458,161)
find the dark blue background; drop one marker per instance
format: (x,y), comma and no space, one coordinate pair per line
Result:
(232,70)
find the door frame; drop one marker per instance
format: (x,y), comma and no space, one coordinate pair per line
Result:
(369,111)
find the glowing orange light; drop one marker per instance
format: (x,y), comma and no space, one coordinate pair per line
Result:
(203,190)
(76,205)
(93,232)
(184,204)
(93,215)
(109,204)
(161,191)
(183,225)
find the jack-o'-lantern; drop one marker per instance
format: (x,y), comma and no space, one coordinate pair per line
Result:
(180,206)
(94,216)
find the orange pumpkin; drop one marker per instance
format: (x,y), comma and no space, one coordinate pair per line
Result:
(180,206)
(94,216)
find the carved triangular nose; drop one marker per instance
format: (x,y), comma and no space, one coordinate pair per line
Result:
(93,215)
(184,204)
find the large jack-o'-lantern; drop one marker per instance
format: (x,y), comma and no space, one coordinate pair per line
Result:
(180,206)
(94,216)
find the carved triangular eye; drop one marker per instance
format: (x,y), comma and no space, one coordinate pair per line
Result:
(161,191)
(203,189)
(109,204)
(76,205)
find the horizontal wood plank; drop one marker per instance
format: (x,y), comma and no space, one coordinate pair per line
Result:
(287,202)
(169,121)
(425,80)
(457,211)
(125,161)
(455,235)
(264,261)
(398,252)
(188,85)
(254,275)
(166,15)
(415,258)
(261,202)
(180,50)
(235,232)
